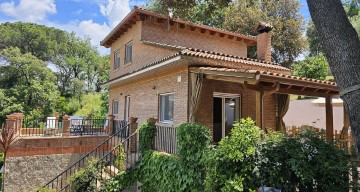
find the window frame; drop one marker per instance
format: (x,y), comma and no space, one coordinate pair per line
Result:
(119,64)
(160,108)
(127,60)
(117,107)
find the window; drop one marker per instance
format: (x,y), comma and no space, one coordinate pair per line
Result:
(115,107)
(166,108)
(128,53)
(117,59)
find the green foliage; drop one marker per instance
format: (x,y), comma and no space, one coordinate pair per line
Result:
(105,102)
(147,133)
(94,107)
(312,67)
(85,179)
(120,159)
(306,162)
(27,81)
(243,161)
(29,86)
(231,165)
(121,181)
(315,48)
(287,36)
(44,189)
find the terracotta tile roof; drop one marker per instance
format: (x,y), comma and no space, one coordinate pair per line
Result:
(138,14)
(269,74)
(220,56)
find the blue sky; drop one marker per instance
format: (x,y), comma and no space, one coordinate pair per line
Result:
(91,18)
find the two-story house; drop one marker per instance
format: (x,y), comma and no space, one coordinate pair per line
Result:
(178,71)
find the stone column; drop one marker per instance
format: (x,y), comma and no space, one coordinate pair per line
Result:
(132,129)
(66,126)
(110,128)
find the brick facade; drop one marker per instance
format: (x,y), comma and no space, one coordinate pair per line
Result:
(204,114)
(144,91)
(144,96)
(174,35)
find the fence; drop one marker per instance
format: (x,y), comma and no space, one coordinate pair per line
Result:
(88,126)
(47,126)
(54,126)
(165,139)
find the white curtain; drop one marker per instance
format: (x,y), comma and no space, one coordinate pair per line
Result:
(196,81)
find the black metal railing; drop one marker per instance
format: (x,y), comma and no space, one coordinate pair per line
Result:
(89,126)
(110,167)
(165,139)
(47,126)
(60,182)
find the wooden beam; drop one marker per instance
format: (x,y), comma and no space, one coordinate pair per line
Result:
(212,32)
(230,36)
(222,35)
(182,25)
(192,28)
(329,119)
(346,120)
(202,30)
(259,108)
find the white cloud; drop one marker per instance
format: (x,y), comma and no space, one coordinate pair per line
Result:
(114,10)
(29,10)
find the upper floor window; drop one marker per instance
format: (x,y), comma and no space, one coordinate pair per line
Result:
(117,59)
(128,52)
(115,107)
(166,112)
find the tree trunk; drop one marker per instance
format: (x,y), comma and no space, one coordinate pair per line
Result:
(342,50)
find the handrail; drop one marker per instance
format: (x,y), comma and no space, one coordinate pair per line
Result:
(105,158)
(81,162)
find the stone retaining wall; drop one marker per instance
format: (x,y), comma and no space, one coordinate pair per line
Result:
(29,172)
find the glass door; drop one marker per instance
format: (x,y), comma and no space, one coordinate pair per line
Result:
(226,110)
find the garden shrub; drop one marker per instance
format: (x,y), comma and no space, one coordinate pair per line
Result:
(306,162)
(147,133)
(232,165)
(85,178)
(123,180)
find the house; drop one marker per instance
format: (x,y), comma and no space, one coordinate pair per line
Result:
(178,71)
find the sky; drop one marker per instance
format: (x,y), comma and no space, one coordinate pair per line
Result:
(87,18)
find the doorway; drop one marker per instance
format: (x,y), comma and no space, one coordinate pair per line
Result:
(226,110)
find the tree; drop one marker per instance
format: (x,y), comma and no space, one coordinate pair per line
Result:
(28,81)
(208,12)
(342,49)
(312,67)
(287,40)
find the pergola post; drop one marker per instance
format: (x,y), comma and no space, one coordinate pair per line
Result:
(259,108)
(329,119)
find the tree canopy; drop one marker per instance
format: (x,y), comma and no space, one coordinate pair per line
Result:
(43,69)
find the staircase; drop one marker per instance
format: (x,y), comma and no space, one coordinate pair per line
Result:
(104,153)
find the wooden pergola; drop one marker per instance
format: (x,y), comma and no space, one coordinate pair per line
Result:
(266,83)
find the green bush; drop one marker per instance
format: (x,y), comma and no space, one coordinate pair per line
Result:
(232,165)
(85,179)
(147,133)
(306,162)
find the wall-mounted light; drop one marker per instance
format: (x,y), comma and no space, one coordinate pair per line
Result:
(232,103)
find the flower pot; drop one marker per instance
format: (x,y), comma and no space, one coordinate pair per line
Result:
(153,120)
(133,119)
